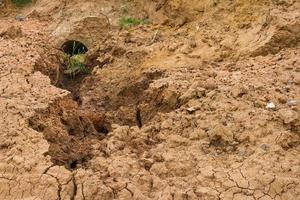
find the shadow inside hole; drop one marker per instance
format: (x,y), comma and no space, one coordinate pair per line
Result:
(102,129)
(73,47)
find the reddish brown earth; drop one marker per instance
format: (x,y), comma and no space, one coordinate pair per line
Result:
(202,103)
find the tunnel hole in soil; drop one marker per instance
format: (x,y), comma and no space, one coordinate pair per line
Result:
(73,47)
(74,68)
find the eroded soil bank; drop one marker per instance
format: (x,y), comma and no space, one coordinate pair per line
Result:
(202,102)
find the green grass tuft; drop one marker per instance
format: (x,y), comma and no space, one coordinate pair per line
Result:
(125,22)
(75,65)
(75,62)
(21,2)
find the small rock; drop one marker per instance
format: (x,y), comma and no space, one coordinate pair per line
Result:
(292,103)
(270,105)
(290,82)
(191,110)
(170,98)
(288,115)
(147,163)
(297,80)
(281,98)
(193,92)
(264,147)
(20,18)
(239,91)
(167,124)
(259,103)
(210,84)
(229,148)
(192,44)
(242,152)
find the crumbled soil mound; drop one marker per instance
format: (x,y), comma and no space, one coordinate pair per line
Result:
(203,102)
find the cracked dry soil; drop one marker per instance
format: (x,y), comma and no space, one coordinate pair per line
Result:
(175,109)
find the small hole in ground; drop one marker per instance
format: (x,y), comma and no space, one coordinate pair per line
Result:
(73,164)
(100,128)
(138,117)
(73,47)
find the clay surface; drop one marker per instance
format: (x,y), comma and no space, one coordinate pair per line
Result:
(203,102)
